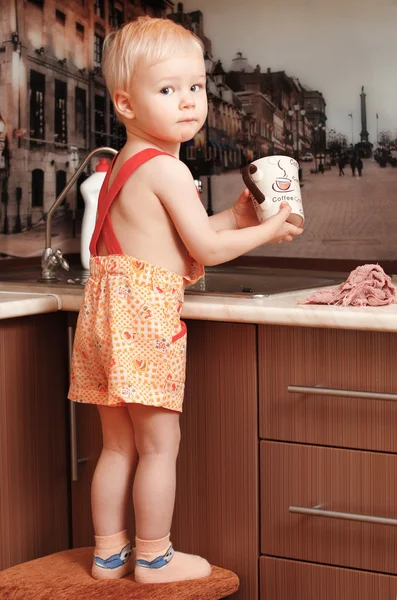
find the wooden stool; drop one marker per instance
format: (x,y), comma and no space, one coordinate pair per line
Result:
(66,576)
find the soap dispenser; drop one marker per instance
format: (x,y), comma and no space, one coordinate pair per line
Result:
(90,189)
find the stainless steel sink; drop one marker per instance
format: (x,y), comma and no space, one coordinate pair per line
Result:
(249,282)
(259,282)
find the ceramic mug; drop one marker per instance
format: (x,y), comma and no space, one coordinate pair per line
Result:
(272,180)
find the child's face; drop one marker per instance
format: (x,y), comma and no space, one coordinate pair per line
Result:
(169,98)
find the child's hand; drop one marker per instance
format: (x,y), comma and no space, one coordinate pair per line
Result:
(245,216)
(244,212)
(277,230)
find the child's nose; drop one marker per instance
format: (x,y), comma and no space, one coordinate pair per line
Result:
(188,101)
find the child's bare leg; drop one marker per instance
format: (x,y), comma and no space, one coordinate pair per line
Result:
(157,437)
(110,493)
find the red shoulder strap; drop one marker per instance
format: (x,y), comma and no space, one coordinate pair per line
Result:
(106,197)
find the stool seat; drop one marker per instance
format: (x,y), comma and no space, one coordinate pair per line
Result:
(66,576)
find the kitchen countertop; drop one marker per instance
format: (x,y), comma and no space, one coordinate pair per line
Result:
(14,303)
(19,299)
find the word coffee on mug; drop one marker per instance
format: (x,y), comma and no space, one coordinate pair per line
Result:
(271,181)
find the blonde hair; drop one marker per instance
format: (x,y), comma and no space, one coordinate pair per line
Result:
(147,39)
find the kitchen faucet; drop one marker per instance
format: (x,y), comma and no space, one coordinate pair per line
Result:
(51,259)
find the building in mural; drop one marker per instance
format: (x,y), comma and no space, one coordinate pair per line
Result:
(315,107)
(290,112)
(53,103)
(54,107)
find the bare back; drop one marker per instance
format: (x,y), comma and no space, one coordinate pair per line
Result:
(140,221)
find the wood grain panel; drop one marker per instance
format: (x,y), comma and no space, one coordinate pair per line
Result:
(216,512)
(339,480)
(293,580)
(89,445)
(34,496)
(354,360)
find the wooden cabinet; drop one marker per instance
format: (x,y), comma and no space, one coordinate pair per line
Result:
(329,449)
(34,470)
(293,580)
(86,445)
(301,449)
(258,439)
(89,445)
(347,360)
(216,513)
(342,481)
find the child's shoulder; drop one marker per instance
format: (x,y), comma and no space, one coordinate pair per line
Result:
(162,166)
(157,171)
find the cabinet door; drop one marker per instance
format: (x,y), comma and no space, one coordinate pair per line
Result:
(34,491)
(358,361)
(216,513)
(354,486)
(88,447)
(294,580)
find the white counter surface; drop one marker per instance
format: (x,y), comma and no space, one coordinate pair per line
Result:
(279,309)
(20,304)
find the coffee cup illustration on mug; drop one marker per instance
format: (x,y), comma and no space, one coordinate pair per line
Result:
(271,181)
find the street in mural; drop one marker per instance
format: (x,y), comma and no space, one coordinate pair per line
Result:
(331,106)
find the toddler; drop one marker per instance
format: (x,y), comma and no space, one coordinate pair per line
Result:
(152,238)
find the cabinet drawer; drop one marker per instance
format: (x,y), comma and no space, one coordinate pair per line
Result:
(293,580)
(341,360)
(342,481)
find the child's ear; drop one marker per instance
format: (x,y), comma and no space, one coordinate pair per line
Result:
(122,102)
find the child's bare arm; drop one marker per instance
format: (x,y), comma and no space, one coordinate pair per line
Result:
(223,220)
(175,188)
(240,215)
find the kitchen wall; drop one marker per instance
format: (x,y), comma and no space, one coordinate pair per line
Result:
(312,80)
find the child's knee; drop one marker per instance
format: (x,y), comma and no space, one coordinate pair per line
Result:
(156,430)
(159,440)
(117,431)
(126,448)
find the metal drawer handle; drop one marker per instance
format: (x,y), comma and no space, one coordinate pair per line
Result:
(74,460)
(322,391)
(317,511)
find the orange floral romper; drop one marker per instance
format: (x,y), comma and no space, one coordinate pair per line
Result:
(130,343)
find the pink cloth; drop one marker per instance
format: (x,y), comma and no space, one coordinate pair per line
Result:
(367,285)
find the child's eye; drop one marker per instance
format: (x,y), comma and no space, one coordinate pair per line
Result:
(196,87)
(167,91)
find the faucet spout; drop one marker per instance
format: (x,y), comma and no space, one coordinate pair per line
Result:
(50,259)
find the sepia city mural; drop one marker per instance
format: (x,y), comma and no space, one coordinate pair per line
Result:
(312,80)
